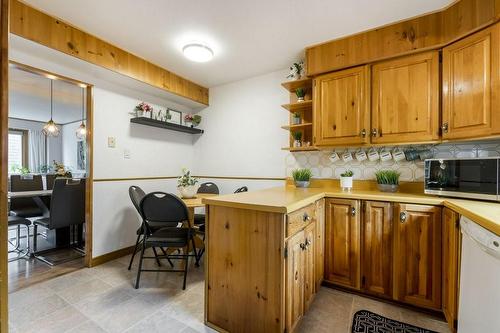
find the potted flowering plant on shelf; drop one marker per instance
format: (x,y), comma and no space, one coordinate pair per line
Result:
(194,120)
(346,180)
(187,185)
(142,109)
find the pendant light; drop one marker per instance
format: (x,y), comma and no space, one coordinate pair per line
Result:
(51,128)
(81,131)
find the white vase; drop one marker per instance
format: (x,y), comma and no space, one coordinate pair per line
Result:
(346,183)
(297,144)
(139,113)
(296,120)
(188,191)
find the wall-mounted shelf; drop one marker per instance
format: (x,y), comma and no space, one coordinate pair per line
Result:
(297,106)
(298,126)
(165,125)
(291,86)
(310,148)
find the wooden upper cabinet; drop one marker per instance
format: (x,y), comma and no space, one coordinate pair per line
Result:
(471,86)
(451,266)
(342,249)
(294,298)
(377,248)
(417,255)
(341,107)
(405,99)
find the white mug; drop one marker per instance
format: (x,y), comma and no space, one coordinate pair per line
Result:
(334,157)
(373,155)
(398,155)
(347,156)
(360,155)
(385,155)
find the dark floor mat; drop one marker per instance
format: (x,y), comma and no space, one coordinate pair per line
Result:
(368,322)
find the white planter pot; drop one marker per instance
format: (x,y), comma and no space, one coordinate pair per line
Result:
(297,144)
(139,113)
(296,120)
(188,191)
(346,183)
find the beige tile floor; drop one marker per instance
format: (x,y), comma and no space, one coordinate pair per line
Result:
(102,299)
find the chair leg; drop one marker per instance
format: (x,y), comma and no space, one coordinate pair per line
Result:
(135,251)
(186,261)
(196,255)
(139,269)
(166,255)
(156,256)
(35,236)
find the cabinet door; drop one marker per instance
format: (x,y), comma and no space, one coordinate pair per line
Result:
(417,255)
(319,246)
(309,282)
(342,249)
(471,86)
(405,97)
(294,293)
(341,107)
(377,248)
(451,254)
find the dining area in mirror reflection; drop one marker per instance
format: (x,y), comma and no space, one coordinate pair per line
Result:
(171,227)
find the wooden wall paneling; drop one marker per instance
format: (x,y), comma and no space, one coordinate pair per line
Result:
(246,262)
(405,99)
(4,130)
(431,31)
(29,23)
(89,186)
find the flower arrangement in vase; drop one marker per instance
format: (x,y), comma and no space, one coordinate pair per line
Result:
(195,120)
(142,109)
(187,185)
(296,70)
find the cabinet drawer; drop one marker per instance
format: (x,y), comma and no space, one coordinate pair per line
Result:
(299,219)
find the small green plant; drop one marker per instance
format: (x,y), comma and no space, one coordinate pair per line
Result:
(20,170)
(389,177)
(186,179)
(296,114)
(302,175)
(300,92)
(347,173)
(297,136)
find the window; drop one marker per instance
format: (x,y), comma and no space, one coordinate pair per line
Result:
(18,152)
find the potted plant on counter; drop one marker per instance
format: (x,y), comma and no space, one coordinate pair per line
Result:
(302,177)
(301,93)
(187,185)
(297,139)
(387,180)
(346,180)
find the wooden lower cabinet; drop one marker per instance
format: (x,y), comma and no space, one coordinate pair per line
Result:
(417,255)
(451,266)
(294,289)
(342,242)
(309,271)
(377,255)
(319,262)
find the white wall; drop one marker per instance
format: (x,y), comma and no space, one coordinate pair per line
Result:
(69,146)
(54,144)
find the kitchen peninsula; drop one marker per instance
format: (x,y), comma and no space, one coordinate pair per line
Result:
(269,251)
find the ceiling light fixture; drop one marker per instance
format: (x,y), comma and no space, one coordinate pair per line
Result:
(81,131)
(51,128)
(198,52)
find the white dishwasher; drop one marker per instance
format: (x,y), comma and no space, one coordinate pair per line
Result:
(479,302)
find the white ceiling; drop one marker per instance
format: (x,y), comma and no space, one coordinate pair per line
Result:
(29,98)
(248,37)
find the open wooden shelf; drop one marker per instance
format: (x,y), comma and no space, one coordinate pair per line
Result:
(310,148)
(293,107)
(298,126)
(165,125)
(291,86)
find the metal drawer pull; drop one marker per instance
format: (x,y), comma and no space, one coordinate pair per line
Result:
(306,217)
(444,127)
(402,217)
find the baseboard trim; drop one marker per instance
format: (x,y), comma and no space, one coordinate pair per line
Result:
(111,256)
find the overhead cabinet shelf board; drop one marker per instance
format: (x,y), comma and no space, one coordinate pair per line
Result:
(165,125)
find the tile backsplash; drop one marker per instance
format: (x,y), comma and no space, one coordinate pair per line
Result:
(322,167)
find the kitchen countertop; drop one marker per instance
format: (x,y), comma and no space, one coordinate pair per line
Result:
(288,198)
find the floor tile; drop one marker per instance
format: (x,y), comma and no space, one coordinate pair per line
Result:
(83,290)
(41,308)
(87,327)
(159,322)
(56,322)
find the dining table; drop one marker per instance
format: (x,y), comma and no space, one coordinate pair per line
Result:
(191,204)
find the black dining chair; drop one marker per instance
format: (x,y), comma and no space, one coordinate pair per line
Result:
(25,207)
(18,222)
(136,195)
(67,208)
(210,188)
(167,210)
(49,181)
(241,189)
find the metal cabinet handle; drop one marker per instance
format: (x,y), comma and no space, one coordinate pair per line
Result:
(308,242)
(444,127)
(353,211)
(363,133)
(374,132)
(303,246)
(402,217)
(306,217)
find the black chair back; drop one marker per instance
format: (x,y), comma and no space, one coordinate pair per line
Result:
(208,187)
(163,207)
(49,181)
(136,195)
(241,189)
(67,205)
(23,184)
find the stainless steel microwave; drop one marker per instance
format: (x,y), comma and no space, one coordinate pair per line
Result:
(471,178)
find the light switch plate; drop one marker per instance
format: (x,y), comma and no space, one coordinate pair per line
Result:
(126,154)
(111,142)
